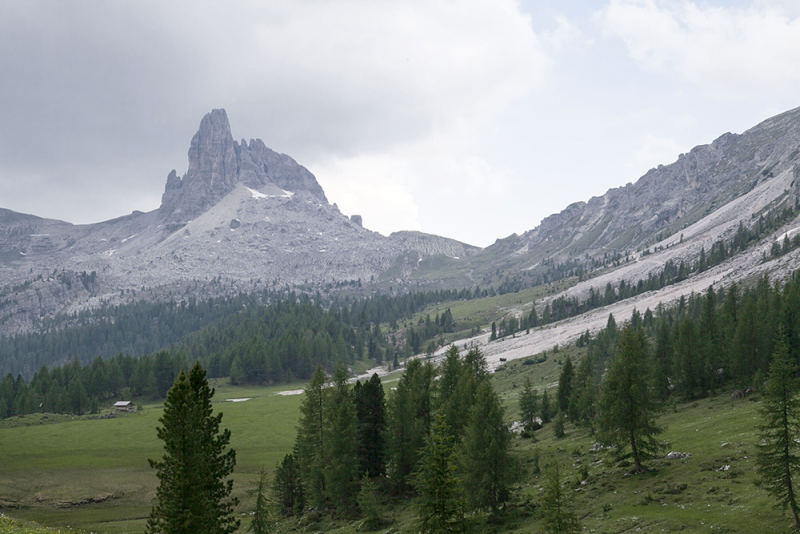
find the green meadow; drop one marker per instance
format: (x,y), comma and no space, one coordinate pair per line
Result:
(92,475)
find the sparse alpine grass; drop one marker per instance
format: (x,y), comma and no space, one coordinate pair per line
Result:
(9,525)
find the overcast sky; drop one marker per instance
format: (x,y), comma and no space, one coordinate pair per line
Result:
(472,119)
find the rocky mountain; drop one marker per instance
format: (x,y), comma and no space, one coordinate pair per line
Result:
(666,199)
(251,217)
(217,164)
(241,213)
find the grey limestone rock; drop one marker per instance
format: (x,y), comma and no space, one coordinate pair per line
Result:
(217,164)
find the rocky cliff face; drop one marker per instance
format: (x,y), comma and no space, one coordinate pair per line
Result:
(668,198)
(432,245)
(217,164)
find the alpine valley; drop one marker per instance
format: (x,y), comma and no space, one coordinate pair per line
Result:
(245,218)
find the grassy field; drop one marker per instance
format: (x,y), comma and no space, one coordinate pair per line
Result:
(15,526)
(481,312)
(93,474)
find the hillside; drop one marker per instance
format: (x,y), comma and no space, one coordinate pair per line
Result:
(92,474)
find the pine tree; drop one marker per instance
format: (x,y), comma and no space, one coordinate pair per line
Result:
(341,471)
(486,460)
(457,387)
(546,408)
(440,503)
(371,414)
(559,516)
(311,440)
(663,360)
(193,495)
(528,405)
(368,504)
(261,523)
(583,404)
(710,344)
(409,415)
(287,487)
(628,406)
(778,456)
(688,359)
(565,385)
(558,426)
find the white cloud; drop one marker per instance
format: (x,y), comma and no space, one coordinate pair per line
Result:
(356,75)
(654,151)
(373,186)
(565,33)
(361,92)
(430,184)
(723,47)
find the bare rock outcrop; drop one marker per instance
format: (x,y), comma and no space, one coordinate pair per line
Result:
(217,164)
(431,245)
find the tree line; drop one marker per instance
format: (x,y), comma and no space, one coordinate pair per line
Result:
(673,272)
(440,437)
(144,327)
(706,343)
(137,328)
(259,345)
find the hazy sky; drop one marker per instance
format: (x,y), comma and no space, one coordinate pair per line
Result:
(471,119)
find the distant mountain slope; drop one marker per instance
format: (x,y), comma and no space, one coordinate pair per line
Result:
(241,212)
(663,201)
(254,218)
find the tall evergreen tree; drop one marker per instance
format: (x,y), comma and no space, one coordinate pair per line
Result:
(311,440)
(547,409)
(457,387)
(193,494)
(440,503)
(628,406)
(565,385)
(583,404)
(710,345)
(371,414)
(559,516)
(663,358)
(262,522)
(778,457)
(688,359)
(528,405)
(409,414)
(747,345)
(287,487)
(485,458)
(341,471)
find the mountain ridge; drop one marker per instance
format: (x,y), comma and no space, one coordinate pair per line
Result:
(255,217)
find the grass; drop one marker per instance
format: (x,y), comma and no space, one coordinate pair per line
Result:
(481,312)
(714,487)
(14,526)
(93,474)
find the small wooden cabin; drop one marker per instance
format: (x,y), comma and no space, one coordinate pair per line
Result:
(124,406)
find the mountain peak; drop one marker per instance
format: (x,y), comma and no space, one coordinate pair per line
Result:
(217,164)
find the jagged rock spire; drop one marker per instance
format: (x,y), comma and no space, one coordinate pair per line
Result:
(217,164)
